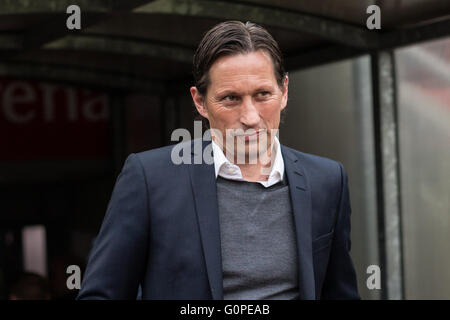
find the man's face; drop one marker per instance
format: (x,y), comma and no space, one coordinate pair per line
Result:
(243,93)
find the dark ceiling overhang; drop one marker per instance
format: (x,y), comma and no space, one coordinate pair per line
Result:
(140,45)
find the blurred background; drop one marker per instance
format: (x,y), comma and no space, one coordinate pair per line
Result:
(75,103)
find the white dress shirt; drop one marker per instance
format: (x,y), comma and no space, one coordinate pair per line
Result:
(224,168)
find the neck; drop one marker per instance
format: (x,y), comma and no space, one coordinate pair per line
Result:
(260,170)
(254,172)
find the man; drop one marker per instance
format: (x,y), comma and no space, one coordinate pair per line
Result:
(275,225)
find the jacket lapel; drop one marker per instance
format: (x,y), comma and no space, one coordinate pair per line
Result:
(205,195)
(301,205)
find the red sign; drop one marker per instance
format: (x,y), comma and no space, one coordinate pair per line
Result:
(41,121)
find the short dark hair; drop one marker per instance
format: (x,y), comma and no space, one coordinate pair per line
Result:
(232,38)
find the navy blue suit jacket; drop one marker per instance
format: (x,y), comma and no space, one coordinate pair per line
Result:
(161,231)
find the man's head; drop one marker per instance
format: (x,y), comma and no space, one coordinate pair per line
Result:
(240,81)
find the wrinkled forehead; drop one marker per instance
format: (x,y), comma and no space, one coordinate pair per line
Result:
(253,65)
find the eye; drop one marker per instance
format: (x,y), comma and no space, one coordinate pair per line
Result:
(230,98)
(263,94)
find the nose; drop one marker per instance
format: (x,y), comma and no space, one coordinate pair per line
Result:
(249,113)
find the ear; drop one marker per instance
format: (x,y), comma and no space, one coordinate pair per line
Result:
(284,97)
(199,102)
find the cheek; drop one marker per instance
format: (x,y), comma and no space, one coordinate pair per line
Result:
(270,112)
(222,116)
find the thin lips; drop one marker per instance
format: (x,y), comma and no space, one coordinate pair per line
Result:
(250,135)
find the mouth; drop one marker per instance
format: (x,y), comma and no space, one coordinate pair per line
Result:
(251,137)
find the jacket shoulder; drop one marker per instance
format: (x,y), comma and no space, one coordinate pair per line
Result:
(322,172)
(161,154)
(312,161)
(162,157)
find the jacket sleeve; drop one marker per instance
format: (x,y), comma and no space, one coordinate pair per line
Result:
(340,280)
(117,260)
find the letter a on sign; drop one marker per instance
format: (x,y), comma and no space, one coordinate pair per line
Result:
(374,20)
(74,280)
(74,20)
(374,280)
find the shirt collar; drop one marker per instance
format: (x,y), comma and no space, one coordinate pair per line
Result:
(224,168)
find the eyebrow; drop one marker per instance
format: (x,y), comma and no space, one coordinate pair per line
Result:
(232,92)
(225,93)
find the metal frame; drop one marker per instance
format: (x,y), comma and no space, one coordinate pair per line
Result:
(350,41)
(325,28)
(387,174)
(51,29)
(99,43)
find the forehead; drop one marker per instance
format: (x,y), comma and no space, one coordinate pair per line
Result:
(254,66)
